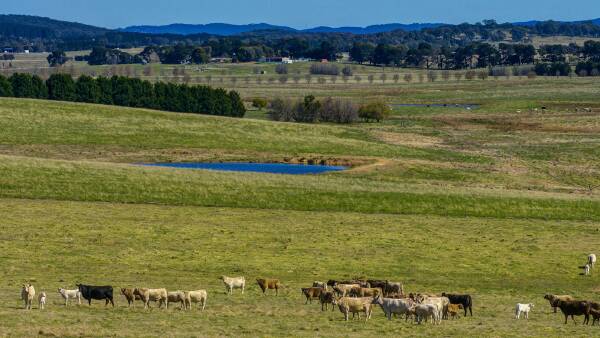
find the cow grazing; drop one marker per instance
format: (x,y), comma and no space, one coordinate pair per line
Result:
(154,295)
(552,299)
(574,308)
(592,260)
(523,309)
(68,294)
(394,306)
(130,296)
(28,295)
(42,300)
(233,283)
(177,297)
(325,299)
(349,305)
(89,292)
(465,300)
(454,309)
(312,293)
(198,296)
(269,284)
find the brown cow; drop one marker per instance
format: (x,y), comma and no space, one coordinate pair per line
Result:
(131,298)
(326,298)
(312,293)
(575,308)
(552,299)
(269,284)
(365,292)
(596,315)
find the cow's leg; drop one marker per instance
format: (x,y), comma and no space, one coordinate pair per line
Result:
(90,301)
(470,310)
(112,302)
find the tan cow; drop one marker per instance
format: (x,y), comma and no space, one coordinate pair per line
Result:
(154,295)
(269,284)
(28,295)
(344,290)
(349,305)
(198,296)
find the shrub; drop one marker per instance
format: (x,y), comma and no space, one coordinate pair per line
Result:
(282,110)
(338,111)
(28,86)
(347,71)
(376,111)
(259,103)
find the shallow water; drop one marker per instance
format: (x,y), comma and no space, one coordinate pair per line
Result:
(271,168)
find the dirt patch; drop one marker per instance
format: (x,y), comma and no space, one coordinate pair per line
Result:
(322,160)
(408,139)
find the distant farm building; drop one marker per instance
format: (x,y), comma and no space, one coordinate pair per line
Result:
(276,59)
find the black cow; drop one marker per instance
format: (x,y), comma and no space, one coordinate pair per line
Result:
(464,300)
(575,308)
(90,292)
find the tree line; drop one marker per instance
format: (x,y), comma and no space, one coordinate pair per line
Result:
(124,91)
(311,110)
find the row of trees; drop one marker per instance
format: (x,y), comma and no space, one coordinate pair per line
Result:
(124,91)
(311,110)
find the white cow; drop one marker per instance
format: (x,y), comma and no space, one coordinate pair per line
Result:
(592,260)
(394,306)
(68,294)
(42,300)
(523,309)
(426,311)
(198,296)
(233,283)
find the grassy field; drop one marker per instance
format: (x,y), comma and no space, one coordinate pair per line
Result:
(501,202)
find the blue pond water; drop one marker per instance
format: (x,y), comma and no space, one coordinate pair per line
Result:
(443,105)
(271,168)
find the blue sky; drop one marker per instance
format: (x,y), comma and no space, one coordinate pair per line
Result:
(300,13)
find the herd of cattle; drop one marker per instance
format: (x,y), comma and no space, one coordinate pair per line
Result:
(354,297)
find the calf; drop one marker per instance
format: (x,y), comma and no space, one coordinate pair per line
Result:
(89,292)
(28,295)
(426,311)
(349,305)
(42,300)
(154,295)
(312,293)
(465,300)
(68,294)
(394,306)
(575,308)
(586,270)
(269,284)
(523,309)
(454,309)
(177,297)
(198,296)
(596,315)
(553,299)
(233,283)
(327,297)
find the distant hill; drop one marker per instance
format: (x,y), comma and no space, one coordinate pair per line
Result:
(535,22)
(229,29)
(27,26)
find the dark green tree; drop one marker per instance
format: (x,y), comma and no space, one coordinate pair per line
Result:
(57,58)
(87,90)
(61,87)
(5,87)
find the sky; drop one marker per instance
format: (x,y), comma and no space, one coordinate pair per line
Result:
(300,13)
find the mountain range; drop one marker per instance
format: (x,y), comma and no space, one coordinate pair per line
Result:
(230,29)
